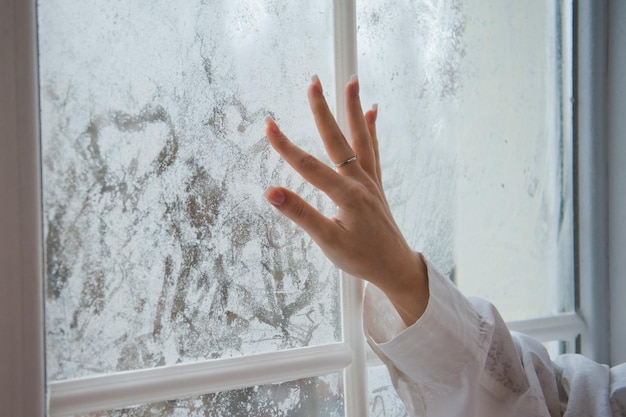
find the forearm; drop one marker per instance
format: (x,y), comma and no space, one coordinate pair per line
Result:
(409,291)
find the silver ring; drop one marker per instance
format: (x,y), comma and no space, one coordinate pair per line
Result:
(346,162)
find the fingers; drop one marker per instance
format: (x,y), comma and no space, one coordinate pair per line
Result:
(370,120)
(360,134)
(301,213)
(335,143)
(363,128)
(315,172)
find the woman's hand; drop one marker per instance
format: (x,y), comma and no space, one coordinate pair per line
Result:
(362,238)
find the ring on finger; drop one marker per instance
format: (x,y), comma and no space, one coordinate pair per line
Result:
(346,162)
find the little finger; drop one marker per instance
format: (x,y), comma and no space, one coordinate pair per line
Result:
(370,119)
(360,137)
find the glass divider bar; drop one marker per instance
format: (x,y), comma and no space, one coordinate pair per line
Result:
(121,389)
(590,132)
(355,376)
(355,393)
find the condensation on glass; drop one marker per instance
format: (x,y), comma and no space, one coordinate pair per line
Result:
(476,165)
(475,161)
(319,397)
(159,245)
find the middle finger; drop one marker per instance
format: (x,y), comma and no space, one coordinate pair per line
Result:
(334,141)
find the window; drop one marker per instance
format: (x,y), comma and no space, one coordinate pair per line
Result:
(161,258)
(469,81)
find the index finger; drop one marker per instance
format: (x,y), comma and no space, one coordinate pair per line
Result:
(310,168)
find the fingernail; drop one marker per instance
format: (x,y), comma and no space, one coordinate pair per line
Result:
(374,112)
(315,81)
(272,125)
(354,84)
(276,197)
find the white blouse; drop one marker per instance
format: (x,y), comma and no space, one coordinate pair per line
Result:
(459,359)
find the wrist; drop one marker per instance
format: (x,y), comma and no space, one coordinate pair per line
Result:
(410,294)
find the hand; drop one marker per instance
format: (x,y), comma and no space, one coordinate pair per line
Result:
(362,238)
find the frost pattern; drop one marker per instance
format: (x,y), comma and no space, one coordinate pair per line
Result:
(475,162)
(159,246)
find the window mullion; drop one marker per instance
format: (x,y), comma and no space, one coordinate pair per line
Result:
(356,398)
(591,170)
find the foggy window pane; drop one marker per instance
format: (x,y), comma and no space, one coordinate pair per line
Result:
(160,247)
(475,162)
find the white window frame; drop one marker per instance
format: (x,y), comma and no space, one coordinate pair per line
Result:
(601,236)
(600,129)
(22,380)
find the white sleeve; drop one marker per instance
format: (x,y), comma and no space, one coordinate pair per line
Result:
(459,358)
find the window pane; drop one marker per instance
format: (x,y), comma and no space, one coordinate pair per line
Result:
(321,396)
(159,245)
(475,162)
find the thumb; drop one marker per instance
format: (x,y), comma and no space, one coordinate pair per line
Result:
(300,212)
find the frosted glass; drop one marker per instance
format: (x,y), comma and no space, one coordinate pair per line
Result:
(474,159)
(319,397)
(159,245)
